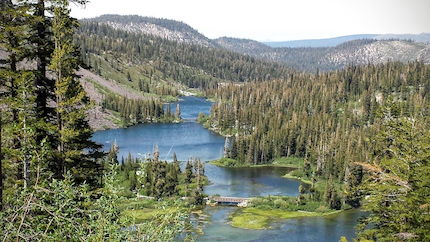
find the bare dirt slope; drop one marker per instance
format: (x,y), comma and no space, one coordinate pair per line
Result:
(100,119)
(110,85)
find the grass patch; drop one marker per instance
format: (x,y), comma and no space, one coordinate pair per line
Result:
(140,215)
(304,180)
(226,162)
(281,214)
(249,221)
(256,218)
(292,161)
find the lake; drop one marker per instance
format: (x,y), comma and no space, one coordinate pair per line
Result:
(189,139)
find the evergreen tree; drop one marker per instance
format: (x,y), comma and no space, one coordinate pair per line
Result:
(17,94)
(397,194)
(112,156)
(330,196)
(74,133)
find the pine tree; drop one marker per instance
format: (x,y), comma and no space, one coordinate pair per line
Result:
(74,132)
(12,40)
(397,194)
(188,175)
(330,196)
(112,156)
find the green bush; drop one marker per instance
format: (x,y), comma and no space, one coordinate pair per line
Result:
(280,203)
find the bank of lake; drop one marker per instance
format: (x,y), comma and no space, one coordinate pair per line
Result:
(264,215)
(191,139)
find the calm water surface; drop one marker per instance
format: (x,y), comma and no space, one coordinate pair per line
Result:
(190,139)
(187,139)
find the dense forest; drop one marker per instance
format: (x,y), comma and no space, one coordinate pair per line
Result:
(321,117)
(159,58)
(323,59)
(158,179)
(364,118)
(136,111)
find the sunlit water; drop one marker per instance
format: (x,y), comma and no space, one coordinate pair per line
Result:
(189,139)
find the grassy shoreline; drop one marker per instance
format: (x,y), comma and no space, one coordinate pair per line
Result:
(256,218)
(289,176)
(290,162)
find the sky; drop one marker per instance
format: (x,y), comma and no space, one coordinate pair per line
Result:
(277,20)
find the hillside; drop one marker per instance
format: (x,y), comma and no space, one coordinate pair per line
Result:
(332,58)
(164,28)
(329,42)
(178,38)
(332,42)
(137,60)
(141,57)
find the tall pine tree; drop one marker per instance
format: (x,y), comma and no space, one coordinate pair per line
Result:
(74,132)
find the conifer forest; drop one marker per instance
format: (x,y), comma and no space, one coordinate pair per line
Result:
(356,137)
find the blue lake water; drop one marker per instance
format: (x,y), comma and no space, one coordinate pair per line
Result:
(189,139)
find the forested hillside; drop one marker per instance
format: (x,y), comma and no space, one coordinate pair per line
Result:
(326,118)
(360,51)
(364,118)
(164,28)
(136,58)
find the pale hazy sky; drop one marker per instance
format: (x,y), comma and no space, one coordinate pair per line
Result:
(277,20)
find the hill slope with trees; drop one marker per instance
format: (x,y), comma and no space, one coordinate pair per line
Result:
(132,58)
(357,52)
(370,118)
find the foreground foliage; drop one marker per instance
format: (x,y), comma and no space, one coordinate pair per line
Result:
(54,185)
(397,191)
(60,210)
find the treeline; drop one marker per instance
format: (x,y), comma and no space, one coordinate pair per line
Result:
(325,59)
(127,19)
(136,111)
(192,65)
(325,118)
(159,179)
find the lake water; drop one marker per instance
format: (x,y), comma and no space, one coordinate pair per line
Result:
(187,139)
(190,139)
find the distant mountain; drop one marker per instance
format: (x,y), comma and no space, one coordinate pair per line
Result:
(423,37)
(336,53)
(240,45)
(331,42)
(361,51)
(164,28)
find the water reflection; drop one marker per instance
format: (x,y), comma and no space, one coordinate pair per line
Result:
(191,139)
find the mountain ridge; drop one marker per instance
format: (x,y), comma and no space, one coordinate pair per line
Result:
(334,41)
(353,49)
(164,28)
